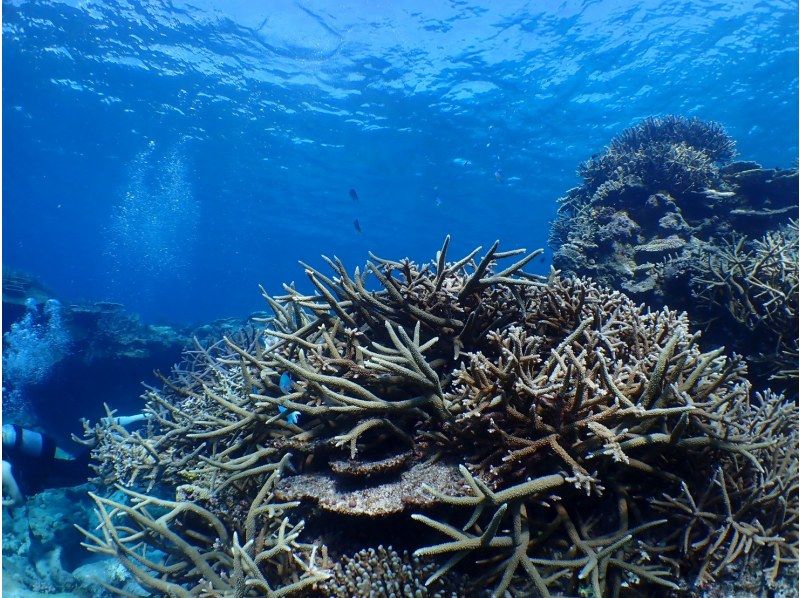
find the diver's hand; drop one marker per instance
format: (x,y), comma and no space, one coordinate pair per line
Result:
(12,495)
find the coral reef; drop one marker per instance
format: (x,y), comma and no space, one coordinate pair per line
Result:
(42,553)
(547,428)
(56,350)
(672,154)
(657,204)
(385,572)
(750,287)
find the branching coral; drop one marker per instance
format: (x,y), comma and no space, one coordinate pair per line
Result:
(754,283)
(727,520)
(587,369)
(573,409)
(651,211)
(222,532)
(708,137)
(197,547)
(385,572)
(594,394)
(672,154)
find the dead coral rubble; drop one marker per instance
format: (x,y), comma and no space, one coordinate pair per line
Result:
(549,429)
(657,203)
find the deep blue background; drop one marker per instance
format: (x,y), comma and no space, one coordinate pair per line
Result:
(173,155)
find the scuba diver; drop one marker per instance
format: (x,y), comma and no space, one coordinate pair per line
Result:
(32,461)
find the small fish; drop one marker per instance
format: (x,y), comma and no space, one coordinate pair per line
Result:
(353,195)
(292,417)
(499,177)
(357,225)
(286,383)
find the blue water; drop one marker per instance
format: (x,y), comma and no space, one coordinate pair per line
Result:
(173,155)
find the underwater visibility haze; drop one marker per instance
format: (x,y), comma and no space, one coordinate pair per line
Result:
(443,299)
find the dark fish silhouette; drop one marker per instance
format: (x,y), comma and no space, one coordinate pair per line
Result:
(357,225)
(353,195)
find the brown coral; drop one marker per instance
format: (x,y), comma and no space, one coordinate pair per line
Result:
(548,388)
(585,369)
(652,210)
(753,286)
(387,496)
(385,572)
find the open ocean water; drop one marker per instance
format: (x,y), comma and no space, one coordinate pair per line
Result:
(162,159)
(171,156)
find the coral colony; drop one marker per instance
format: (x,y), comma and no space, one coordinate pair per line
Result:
(503,432)
(664,215)
(752,287)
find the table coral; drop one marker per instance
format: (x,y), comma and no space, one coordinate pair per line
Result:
(557,433)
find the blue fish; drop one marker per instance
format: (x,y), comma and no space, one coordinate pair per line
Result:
(287,385)
(293,416)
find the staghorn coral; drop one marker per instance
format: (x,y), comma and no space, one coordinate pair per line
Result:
(573,409)
(194,529)
(655,206)
(216,441)
(582,363)
(593,394)
(752,285)
(725,520)
(201,552)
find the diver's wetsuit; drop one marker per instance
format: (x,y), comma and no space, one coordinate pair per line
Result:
(38,463)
